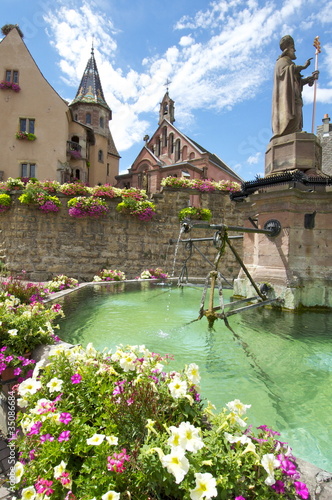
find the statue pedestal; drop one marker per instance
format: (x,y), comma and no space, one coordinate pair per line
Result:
(298,151)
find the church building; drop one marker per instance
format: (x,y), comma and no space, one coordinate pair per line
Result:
(169,152)
(44,136)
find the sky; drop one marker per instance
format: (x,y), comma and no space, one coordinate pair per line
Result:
(217,55)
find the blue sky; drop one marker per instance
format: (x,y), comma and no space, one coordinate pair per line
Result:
(219,56)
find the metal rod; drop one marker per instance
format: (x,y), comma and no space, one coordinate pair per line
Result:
(238,258)
(220,227)
(236,302)
(172,241)
(252,306)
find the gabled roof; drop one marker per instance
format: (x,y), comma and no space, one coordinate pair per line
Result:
(90,90)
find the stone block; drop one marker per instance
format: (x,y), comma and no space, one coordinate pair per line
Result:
(299,151)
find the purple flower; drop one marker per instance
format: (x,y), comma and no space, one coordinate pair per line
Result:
(35,428)
(17,371)
(301,490)
(76,378)
(279,487)
(46,437)
(240,498)
(64,436)
(65,418)
(287,466)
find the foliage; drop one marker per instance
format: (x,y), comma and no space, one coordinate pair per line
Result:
(115,425)
(23,290)
(4,85)
(110,275)
(200,184)
(25,326)
(156,273)
(8,27)
(51,187)
(5,201)
(61,282)
(74,189)
(35,195)
(25,136)
(143,210)
(83,206)
(21,364)
(106,191)
(136,194)
(15,184)
(195,213)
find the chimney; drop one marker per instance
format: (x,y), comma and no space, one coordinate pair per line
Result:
(326,125)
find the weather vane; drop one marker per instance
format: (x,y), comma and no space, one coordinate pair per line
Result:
(316,44)
(167,84)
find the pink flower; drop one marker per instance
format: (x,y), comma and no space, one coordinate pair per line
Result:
(279,487)
(64,436)
(46,437)
(76,378)
(301,490)
(35,429)
(65,418)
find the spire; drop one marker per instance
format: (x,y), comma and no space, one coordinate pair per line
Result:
(90,89)
(166,108)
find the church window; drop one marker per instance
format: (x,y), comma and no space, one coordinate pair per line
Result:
(27,125)
(101,122)
(165,108)
(158,148)
(100,155)
(184,152)
(177,150)
(28,170)
(191,156)
(164,136)
(88,118)
(171,144)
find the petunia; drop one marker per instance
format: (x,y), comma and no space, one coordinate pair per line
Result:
(237,407)
(59,469)
(65,418)
(301,490)
(178,388)
(96,439)
(46,437)
(190,439)
(55,384)
(176,463)
(111,495)
(128,362)
(112,440)
(28,493)
(18,472)
(64,436)
(279,487)
(192,372)
(269,462)
(29,386)
(76,378)
(205,486)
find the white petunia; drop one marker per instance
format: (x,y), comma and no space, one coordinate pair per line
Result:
(29,386)
(205,486)
(237,407)
(243,439)
(192,372)
(55,384)
(13,332)
(59,469)
(176,463)
(96,439)
(18,472)
(178,388)
(269,462)
(90,350)
(128,361)
(111,495)
(28,493)
(112,440)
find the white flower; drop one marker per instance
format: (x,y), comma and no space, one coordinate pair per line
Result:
(190,439)
(128,362)
(176,463)
(178,388)
(58,349)
(97,278)
(37,368)
(29,386)
(18,472)
(22,402)
(269,462)
(13,332)
(237,407)
(235,419)
(112,440)
(243,439)
(175,438)
(111,495)
(205,486)
(59,469)
(28,493)
(55,384)
(96,439)
(90,350)
(192,372)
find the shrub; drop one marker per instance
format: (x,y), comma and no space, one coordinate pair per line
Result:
(5,202)
(195,213)
(83,206)
(61,282)
(110,275)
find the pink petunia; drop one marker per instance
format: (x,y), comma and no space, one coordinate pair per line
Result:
(64,436)
(76,378)
(65,418)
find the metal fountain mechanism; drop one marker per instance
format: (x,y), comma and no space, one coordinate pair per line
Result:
(221,240)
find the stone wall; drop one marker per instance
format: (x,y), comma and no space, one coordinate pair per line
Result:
(45,245)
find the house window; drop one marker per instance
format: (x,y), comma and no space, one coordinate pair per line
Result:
(100,155)
(11,76)
(88,118)
(28,170)
(27,125)
(101,122)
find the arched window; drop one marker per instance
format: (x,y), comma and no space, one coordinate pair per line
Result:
(100,155)
(191,156)
(101,122)
(88,118)
(171,144)
(164,136)
(177,150)
(184,152)
(158,147)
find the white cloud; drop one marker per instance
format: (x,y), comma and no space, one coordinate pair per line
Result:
(186,40)
(254,159)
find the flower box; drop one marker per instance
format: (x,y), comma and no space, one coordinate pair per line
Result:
(4,85)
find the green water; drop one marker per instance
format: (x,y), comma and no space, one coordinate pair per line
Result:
(280,363)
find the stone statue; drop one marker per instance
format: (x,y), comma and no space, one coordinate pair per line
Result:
(287,90)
